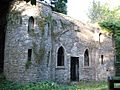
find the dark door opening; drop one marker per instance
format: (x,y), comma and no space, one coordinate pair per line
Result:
(74,69)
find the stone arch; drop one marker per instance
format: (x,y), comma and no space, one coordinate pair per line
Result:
(60,56)
(30,23)
(86,58)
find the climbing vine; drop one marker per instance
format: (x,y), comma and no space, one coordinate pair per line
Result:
(27,64)
(31,32)
(39,54)
(39,51)
(64,25)
(14,18)
(43,21)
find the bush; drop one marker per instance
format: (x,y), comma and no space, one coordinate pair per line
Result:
(82,85)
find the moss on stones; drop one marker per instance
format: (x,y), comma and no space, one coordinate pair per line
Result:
(64,26)
(39,51)
(39,54)
(44,20)
(28,64)
(31,32)
(14,18)
(54,35)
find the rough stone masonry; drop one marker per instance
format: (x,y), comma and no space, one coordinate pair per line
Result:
(41,45)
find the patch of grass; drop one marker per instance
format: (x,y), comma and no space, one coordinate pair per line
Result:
(117,85)
(82,85)
(7,85)
(2,77)
(92,85)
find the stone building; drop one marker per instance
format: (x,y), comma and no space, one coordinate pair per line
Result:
(41,45)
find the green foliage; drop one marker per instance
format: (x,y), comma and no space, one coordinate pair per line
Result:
(28,63)
(33,2)
(40,53)
(14,18)
(82,85)
(97,12)
(64,25)
(56,5)
(109,20)
(2,77)
(59,6)
(8,85)
(31,32)
(92,85)
(112,24)
(54,35)
(43,21)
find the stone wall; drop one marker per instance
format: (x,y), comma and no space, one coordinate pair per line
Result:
(19,40)
(52,30)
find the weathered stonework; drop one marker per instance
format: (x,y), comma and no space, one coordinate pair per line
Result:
(51,31)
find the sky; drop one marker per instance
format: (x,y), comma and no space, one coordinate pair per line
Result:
(78,9)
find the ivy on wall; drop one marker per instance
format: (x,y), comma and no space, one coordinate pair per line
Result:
(43,21)
(14,18)
(27,64)
(39,50)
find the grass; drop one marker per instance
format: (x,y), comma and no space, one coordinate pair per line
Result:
(82,85)
(92,85)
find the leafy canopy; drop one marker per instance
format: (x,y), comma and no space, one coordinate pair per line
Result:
(56,5)
(59,6)
(108,19)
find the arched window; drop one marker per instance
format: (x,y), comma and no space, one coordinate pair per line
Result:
(86,58)
(102,61)
(100,37)
(60,56)
(30,23)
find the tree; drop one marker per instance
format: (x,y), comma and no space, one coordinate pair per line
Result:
(109,20)
(97,12)
(59,6)
(56,5)
(112,24)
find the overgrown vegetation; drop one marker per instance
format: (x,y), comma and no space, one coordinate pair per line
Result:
(108,19)
(97,11)
(14,18)
(64,25)
(39,53)
(56,5)
(43,21)
(31,32)
(28,63)
(59,6)
(82,85)
(48,85)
